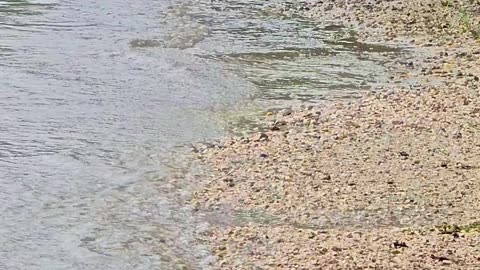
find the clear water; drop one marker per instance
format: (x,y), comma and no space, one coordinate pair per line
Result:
(96,97)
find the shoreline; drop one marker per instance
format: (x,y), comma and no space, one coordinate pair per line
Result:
(388,181)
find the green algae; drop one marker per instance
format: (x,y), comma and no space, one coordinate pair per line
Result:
(455,229)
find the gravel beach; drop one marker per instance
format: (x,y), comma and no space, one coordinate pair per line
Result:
(388,181)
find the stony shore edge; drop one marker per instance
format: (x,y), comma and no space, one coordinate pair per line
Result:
(389,181)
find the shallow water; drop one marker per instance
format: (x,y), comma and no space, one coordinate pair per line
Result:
(96,96)
(288,60)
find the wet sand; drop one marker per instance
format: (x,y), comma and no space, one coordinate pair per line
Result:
(388,181)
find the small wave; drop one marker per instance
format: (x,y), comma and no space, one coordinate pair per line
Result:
(181,38)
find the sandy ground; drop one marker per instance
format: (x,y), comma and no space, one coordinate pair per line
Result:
(389,181)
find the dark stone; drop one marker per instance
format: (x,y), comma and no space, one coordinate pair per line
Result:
(404,154)
(398,244)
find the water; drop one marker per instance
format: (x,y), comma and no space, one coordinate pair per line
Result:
(289,60)
(96,97)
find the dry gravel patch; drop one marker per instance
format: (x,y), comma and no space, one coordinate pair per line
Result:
(399,166)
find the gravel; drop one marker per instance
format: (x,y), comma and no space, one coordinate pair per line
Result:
(389,181)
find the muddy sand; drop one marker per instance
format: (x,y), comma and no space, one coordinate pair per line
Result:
(388,181)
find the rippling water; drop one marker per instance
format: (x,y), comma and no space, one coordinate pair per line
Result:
(96,95)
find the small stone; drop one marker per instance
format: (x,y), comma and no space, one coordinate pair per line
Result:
(260,137)
(286,112)
(456,134)
(337,249)
(404,154)
(399,244)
